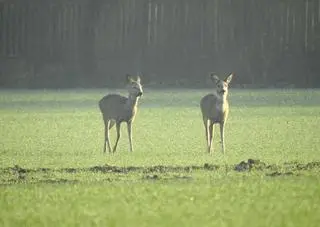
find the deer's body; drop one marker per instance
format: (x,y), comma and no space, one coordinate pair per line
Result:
(215,110)
(123,108)
(116,109)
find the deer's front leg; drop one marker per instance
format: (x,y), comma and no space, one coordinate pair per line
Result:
(106,136)
(222,136)
(207,133)
(129,126)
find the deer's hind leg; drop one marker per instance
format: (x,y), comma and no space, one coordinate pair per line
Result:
(211,135)
(106,136)
(112,123)
(118,136)
(207,123)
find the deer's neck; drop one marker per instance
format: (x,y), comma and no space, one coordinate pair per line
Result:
(132,101)
(221,97)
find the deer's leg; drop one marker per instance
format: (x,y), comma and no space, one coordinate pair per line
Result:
(118,136)
(211,133)
(112,122)
(106,135)
(129,126)
(206,128)
(222,136)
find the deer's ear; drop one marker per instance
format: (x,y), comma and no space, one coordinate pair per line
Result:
(129,78)
(228,78)
(214,78)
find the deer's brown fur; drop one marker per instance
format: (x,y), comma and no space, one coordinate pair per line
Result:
(116,109)
(215,109)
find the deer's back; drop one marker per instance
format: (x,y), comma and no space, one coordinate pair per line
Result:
(114,106)
(213,108)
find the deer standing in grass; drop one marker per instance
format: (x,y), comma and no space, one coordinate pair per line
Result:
(116,109)
(215,109)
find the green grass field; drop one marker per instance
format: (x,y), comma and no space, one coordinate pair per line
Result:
(53,171)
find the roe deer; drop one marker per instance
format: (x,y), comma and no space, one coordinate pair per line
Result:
(215,109)
(116,109)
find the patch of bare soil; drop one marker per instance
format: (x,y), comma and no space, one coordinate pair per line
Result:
(250,165)
(277,174)
(152,169)
(17,174)
(287,169)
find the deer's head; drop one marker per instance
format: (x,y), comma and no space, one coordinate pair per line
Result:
(221,85)
(134,86)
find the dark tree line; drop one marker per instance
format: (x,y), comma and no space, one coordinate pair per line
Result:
(94,43)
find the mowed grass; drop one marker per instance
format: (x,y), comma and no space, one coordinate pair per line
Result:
(53,171)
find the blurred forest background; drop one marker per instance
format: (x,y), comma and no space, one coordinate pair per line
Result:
(94,43)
